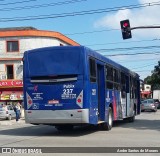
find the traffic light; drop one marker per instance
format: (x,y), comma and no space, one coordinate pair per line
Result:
(125,28)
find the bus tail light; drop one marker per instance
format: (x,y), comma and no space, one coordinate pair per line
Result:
(79,99)
(29,101)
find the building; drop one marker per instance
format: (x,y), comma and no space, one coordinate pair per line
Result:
(13,43)
(146,91)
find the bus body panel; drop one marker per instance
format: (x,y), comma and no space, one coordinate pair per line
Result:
(113,98)
(93,105)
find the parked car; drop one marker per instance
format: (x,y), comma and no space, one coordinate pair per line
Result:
(7,112)
(148,104)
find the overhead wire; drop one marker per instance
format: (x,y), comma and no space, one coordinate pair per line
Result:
(79,13)
(19,2)
(129,48)
(141,60)
(139,71)
(41,5)
(144,66)
(139,53)
(138,41)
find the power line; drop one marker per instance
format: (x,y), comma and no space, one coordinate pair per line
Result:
(143,71)
(90,32)
(130,48)
(2,0)
(80,13)
(40,6)
(141,60)
(144,66)
(126,54)
(19,2)
(138,41)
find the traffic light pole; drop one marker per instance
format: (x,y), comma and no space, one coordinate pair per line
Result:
(144,27)
(126,29)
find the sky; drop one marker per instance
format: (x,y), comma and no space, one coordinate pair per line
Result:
(95,24)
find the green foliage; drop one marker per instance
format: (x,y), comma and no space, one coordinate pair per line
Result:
(154,79)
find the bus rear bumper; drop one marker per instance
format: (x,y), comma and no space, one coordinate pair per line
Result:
(54,117)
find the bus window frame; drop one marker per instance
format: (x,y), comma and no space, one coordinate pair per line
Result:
(114,79)
(123,83)
(92,70)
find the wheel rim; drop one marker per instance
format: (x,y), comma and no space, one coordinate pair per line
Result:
(110,118)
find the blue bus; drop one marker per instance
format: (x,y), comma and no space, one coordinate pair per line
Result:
(66,86)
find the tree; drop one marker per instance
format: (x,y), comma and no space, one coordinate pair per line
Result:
(154,79)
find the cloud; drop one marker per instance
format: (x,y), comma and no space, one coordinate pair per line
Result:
(145,16)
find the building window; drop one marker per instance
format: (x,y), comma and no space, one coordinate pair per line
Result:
(12,46)
(10,71)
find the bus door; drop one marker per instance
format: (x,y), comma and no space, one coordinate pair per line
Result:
(101,92)
(127,95)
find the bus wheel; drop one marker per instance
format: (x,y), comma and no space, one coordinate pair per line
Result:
(132,119)
(108,125)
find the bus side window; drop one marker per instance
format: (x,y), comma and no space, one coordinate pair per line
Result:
(109,77)
(116,79)
(135,88)
(109,73)
(123,85)
(93,74)
(131,88)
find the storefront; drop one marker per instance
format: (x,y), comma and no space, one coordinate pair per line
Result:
(11,92)
(146,94)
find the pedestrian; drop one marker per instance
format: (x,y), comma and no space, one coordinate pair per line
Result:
(17,111)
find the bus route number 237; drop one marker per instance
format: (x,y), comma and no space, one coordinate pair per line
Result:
(67,91)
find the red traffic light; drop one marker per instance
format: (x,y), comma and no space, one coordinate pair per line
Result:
(125,28)
(125,24)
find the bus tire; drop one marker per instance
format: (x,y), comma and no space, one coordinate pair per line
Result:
(108,125)
(132,118)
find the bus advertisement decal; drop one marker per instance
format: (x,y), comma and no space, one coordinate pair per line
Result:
(68,92)
(52,102)
(35,106)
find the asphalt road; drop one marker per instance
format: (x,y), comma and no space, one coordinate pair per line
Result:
(144,132)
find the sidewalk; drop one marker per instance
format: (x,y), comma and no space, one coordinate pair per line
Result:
(12,122)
